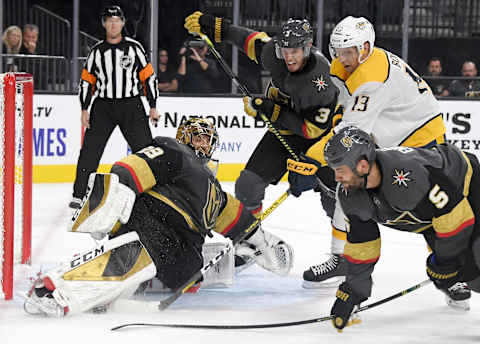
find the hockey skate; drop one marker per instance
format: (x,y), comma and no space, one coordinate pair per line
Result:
(40,301)
(328,274)
(457,296)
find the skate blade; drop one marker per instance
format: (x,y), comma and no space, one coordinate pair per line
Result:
(333,282)
(463,305)
(31,307)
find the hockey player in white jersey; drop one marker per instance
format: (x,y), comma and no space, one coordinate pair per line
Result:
(382,95)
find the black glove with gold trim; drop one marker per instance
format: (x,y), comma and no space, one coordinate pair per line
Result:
(213,27)
(301,174)
(344,306)
(269,108)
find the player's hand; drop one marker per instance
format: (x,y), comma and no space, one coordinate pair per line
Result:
(192,23)
(154,116)
(443,275)
(301,174)
(344,306)
(85,118)
(254,106)
(201,23)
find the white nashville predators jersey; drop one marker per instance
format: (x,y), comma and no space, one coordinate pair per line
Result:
(387,99)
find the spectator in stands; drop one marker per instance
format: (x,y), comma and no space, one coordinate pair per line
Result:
(467,87)
(434,69)
(167,77)
(12,41)
(197,72)
(30,40)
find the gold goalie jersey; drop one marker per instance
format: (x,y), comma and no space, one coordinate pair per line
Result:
(387,99)
(172,173)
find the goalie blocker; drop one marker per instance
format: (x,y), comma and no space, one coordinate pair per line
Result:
(160,202)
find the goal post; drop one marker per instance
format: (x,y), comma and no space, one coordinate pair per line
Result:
(16,131)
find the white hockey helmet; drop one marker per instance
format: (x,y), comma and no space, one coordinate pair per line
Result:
(352,32)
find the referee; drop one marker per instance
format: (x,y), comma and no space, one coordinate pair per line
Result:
(117,72)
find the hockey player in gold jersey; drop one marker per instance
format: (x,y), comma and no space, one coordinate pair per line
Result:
(156,206)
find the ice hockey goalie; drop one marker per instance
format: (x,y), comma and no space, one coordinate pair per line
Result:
(156,207)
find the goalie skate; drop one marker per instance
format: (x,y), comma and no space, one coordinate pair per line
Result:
(39,301)
(328,274)
(457,296)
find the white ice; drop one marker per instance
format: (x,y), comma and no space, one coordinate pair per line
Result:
(257,296)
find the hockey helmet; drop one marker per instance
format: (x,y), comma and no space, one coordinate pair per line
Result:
(198,126)
(112,11)
(348,147)
(352,32)
(295,33)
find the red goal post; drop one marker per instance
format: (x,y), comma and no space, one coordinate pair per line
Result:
(16,132)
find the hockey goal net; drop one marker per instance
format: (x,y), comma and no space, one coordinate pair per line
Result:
(16,131)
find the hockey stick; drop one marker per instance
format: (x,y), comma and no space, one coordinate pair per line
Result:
(183,288)
(226,68)
(284,324)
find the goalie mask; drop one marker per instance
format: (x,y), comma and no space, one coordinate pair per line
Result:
(348,147)
(352,32)
(295,33)
(200,135)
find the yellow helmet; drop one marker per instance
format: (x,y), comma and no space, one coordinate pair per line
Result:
(198,126)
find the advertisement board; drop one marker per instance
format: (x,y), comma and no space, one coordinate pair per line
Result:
(57,132)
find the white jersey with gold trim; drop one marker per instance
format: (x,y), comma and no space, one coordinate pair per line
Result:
(386,98)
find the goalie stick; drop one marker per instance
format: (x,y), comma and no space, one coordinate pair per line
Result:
(246,92)
(284,324)
(183,288)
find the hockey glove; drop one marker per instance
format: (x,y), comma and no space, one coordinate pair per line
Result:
(301,175)
(253,106)
(269,251)
(199,22)
(344,306)
(442,275)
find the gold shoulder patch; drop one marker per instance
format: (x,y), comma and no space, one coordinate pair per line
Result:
(376,68)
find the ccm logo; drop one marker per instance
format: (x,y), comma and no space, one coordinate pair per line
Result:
(87,256)
(302,169)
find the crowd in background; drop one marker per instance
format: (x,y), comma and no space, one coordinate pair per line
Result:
(185,65)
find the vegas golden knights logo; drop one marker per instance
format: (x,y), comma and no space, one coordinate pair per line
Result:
(212,205)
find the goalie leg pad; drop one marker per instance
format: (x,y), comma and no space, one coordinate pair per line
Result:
(94,278)
(268,251)
(107,202)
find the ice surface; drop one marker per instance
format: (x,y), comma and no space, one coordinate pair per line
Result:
(256,297)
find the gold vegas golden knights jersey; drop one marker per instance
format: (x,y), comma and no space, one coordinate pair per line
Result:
(426,191)
(387,99)
(172,173)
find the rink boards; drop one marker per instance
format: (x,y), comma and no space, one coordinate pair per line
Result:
(57,133)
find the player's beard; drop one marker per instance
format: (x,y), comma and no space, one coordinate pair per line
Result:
(356,183)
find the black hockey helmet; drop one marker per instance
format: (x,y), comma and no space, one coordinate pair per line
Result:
(112,11)
(348,147)
(294,33)
(198,126)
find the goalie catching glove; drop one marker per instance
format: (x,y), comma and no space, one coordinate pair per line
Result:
(252,107)
(107,202)
(268,251)
(301,175)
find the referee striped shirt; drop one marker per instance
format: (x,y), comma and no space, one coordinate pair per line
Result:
(117,71)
